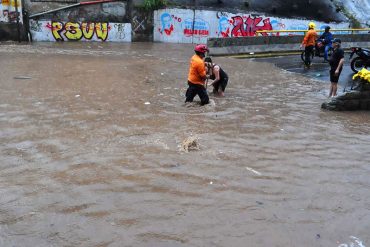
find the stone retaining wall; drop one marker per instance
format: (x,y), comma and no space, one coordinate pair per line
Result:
(350,101)
(8,31)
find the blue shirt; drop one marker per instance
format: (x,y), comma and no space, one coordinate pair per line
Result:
(327,36)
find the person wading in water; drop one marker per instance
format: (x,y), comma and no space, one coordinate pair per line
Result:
(197,76)
(219,76)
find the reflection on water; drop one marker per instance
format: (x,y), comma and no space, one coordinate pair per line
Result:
(85,162)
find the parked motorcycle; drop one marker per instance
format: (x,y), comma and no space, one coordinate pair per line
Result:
(361,61)
(318,50)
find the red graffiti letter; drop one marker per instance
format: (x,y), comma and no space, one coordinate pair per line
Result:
(238,29)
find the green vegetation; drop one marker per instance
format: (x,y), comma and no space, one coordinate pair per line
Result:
(354,22)
(154,4)
(340,8)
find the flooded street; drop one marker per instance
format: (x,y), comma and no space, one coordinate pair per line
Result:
(85,160)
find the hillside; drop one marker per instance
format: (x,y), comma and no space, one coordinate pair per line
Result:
(320,10)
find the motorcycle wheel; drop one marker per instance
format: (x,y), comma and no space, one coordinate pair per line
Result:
(357,64)
(303,54)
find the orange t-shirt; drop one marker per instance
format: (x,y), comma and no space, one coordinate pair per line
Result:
(310,38)
(197,70)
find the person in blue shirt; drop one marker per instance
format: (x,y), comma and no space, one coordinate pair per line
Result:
(327,38)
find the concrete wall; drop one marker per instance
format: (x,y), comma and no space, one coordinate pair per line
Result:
(176,25)
(8,31)
(124,12)
(142,24)
(38,7)
(244,45)
(94,22)
(101,12)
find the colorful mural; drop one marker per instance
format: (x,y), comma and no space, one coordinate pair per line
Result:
(80,31)
(247,26)
(166,24)
(189,26)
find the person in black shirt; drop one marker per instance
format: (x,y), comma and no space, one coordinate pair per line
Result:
(336,65)
(219,76)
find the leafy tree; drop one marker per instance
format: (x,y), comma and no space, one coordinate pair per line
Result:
(154,4)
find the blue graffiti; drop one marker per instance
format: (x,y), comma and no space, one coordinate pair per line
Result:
(223,25)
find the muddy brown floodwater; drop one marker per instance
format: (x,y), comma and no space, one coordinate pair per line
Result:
(85,162)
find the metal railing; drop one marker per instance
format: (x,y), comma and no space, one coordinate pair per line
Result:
(349,30)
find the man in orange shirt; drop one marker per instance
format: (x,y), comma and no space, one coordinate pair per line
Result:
(309,43)
(197,76)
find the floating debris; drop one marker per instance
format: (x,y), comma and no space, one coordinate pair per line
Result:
(22,77)
(254,171)
(147,80)
(190,143)
(147,103)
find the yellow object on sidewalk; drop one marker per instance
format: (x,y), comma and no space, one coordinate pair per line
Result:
(363,74)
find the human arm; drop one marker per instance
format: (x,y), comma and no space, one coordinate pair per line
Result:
(340,65)
(340,56)
(303,44)
(216,72)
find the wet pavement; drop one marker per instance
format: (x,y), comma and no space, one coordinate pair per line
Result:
(318,71)
(86,161)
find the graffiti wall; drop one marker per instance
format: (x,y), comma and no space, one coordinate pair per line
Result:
(80,31)
(8,11)
(189,26)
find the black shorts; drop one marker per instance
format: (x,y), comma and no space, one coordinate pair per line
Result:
(222,84)
(334,78)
